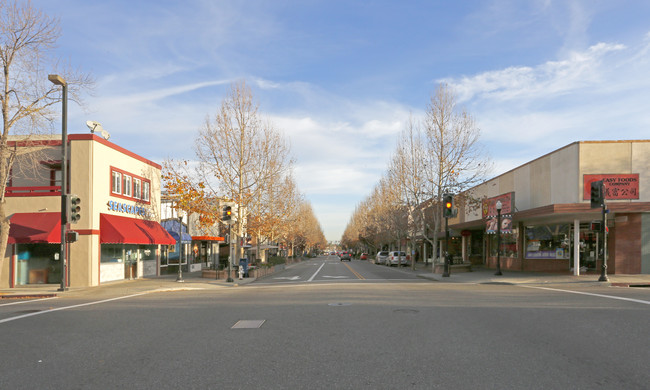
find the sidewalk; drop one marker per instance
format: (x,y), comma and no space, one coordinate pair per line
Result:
(191,281)
(482,275)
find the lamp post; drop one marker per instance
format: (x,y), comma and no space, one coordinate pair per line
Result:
(499,206)
(58,80)
(179,278)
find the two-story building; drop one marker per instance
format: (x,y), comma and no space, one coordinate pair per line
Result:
(120,235)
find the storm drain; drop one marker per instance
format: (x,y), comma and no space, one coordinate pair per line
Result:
(340,304)
(248,324)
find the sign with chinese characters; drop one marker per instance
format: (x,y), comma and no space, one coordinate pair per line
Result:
(623,186)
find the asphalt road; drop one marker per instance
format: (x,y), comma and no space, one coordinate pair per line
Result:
(345,326)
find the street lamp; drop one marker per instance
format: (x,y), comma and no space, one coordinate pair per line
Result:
(58,80)
(499,206)
(179,277)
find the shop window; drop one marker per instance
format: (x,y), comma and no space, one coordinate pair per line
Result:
(548,242)
(112,253)
(117,183)
(127,185)
(508,244)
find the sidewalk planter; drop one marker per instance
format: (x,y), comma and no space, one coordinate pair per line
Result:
(455,268)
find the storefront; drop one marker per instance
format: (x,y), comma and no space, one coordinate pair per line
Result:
(547,222)
(118,235)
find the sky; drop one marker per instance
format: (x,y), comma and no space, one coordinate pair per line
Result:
(339,79)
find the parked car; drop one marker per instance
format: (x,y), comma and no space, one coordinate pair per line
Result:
(381,257)
(396,258)
(364,256)
(345,256)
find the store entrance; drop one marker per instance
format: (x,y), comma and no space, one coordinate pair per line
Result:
(590,246)
(131,264)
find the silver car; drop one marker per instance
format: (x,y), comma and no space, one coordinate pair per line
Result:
(381,257)
(396,258)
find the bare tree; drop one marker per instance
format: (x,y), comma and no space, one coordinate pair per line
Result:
(455,160)
(27,37)
(245,152)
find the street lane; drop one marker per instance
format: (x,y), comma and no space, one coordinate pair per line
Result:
(335,335)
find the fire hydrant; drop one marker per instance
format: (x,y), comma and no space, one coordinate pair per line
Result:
(241,273)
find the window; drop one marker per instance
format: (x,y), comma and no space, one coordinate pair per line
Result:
(145,191)
(127,185)
(117,183)
(137,193)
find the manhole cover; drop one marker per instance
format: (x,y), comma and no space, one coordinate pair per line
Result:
(340,304)
(248,324)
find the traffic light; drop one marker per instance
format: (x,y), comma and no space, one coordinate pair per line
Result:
(448,204)
(74,208)
(227,214)
(71,236)
(595,226)
(597,194)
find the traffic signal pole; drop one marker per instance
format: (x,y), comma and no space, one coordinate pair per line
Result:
(603,271)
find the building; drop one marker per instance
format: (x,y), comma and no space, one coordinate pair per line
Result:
(547,222)
(119,231)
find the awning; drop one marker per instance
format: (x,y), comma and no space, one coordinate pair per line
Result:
(208,238)
(171,225)
(186,237)
(114,229)
(35,228)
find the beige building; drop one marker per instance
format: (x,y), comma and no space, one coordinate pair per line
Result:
(547,223)
(119,231)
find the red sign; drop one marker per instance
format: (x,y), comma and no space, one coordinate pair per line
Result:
(507,205)
(625,186)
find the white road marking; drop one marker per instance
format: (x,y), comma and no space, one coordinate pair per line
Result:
(335,277)
(68,307)
(289,277)
(317,271)
(591,294)
(28,301)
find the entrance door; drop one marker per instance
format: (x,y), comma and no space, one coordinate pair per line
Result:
(590,246)
(131,264)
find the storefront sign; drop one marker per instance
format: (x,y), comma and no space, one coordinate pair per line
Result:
(127,208)
(624,186)
(507,205)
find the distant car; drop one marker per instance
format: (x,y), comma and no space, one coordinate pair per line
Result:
(396,258)
(345,256)
(332,253)
(364,256)
(381,257)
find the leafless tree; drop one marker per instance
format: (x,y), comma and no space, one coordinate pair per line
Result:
(27,39)
(243,150)
(455,158)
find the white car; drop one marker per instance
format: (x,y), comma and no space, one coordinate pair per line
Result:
(381,257)
(396,258)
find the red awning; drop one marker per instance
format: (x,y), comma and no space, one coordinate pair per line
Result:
(35,228)
(114,229)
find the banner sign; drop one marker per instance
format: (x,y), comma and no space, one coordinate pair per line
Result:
(624,186)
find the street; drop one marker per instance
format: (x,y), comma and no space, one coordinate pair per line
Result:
(326,324)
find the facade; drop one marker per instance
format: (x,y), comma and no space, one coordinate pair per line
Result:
(198,247)
(547,223)
(119,231)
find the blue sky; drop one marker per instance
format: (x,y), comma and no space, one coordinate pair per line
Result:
(339,78)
